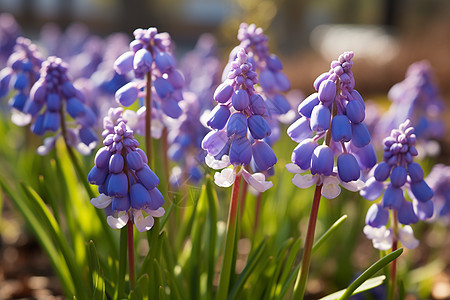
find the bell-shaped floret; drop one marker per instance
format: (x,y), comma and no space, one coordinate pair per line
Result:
(240,99)
(327,91)
(240,151)
(18,101)
(421,191)
(118,185)
(75,107)
(392,198)
(320,79)
(97,175)
(258,126)
(306,106)
(267,80)
(320,118)
(406,214)
(134,161)
(127,94)
(163,87)
(398,176)
(38,126)
(147,177)
(377,216)
(120,204)
(223,92)
(360,135)
(373,189)
(282,82)
(423,210)
(366,156)
(102,157)
(164,62)
(139,196)
(124,63)
(263,155)
(237,124)
(322,160)
(341,129)
(53,102)
(300,130)
(355,111)
(142,61)
(116,163)
(415,171)
(348,167)
(87,136)
(52,120)
(157,199)
(176,78)
(301,156)
(214,142)
(257,105)
(171,108)
(280,104)
(356,96)
(382,171)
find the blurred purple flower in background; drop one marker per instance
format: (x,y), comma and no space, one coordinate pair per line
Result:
(9,32)
(335,113)
(405,175)
(439,182)
(127,185)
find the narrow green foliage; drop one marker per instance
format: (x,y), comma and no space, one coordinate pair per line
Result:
(367,285)
(96,273)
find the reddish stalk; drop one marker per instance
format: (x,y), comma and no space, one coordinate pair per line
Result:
(257,211)
(130,243)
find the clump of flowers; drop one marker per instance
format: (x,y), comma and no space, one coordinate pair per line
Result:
(9,32)
(335,113)
(21,73)
(404,175)
(127,185)
(49,96)
(439,182)
(240,111)
(151,55)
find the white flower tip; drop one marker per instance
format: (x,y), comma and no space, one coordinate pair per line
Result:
(257,181)
(217,164)
(304,181)
(293,168)
(225,178)
(143,223)
(102,201)
(406,236)
(117,223)
(330,188)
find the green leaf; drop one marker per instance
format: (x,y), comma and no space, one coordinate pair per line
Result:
(328,233)
(212,234)
(96,273)
(367,285)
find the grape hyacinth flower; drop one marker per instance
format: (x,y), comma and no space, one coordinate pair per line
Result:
(49,97)
(150,54)
(240,111)
(335,113)
(21,73)
(439,182)
(405,175)
(9,32)
(127,185)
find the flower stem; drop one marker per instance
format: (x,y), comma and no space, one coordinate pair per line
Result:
(225,273)
(393,270)
(257,211)
(300,283)
(148,118)
(130,243)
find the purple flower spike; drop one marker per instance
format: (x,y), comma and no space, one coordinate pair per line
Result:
(322,161)
(341,129)
(406,214)
(392,198)
(348,167)
(377,216)
(320,118)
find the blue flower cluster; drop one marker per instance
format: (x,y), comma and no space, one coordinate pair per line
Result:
(336,113)
(21,73)
(9,32)
(240,110)
(404,174)
(151,53)
(127,185)
(439,182)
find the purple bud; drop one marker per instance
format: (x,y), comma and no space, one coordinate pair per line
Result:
(164,62)
(240,151)
(299,130)
(237,124)
(176,79)
(319,79)
(267,80)
(223,92)
(97,175)
(219,117)
(377,216)
(320,118)
(118,185)
(392,198)
(53,102)
(280,104)
(32,107)
(157,199)
(327,92)
(68,90)
(171,108)
(142,154)
(139,196)
(263,155)
(124,63)
(355,111)
(282,82)
(406,214)
(257,104)
(240,99)
(75,107)
(52,120)
(365,156)
(38,126)
(423,210)
(274,63)
(398,176)
(421,191)
(360,135)
(382,171)
(120,204)
(142,61)
(341,129)
(348,167)
(116,163)
(214,142)
(322,161)
(373,189)
(87,136)
(18,101)
(301,156)
(127,94)
(163,87)
(21,81)
(147,177)
(102,157)
(415,172)
(306,106)
(38,91)
(258,127)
